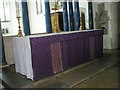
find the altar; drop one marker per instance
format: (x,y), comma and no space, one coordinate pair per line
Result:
(40,56)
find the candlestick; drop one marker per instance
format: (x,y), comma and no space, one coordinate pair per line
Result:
(19,31)
(18,17)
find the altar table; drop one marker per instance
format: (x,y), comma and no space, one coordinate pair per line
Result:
(40,56)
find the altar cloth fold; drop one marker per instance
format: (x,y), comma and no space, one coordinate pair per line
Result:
(22,55)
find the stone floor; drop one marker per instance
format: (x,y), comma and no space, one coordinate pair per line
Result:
(106,79)
(99,73)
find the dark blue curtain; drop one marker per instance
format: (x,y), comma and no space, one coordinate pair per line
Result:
(48,17)
(76,15)
(71,17)
(65,16)
(25,18)
(90,14)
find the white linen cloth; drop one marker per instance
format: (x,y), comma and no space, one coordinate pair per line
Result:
(22,56)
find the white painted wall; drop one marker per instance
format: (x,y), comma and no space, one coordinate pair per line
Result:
(37,22)
(110,41)
(13,24)
(114,24)
(119,24)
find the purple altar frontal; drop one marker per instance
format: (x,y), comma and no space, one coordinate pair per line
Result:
(74,49)
(57,52)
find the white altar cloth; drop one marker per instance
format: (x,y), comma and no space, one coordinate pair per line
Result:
(22,55)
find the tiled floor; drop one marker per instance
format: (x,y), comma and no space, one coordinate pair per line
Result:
(99,73)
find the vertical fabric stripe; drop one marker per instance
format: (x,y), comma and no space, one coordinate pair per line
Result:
(56,57)
(65,16)
(48,17)
(71,18)
(90,14)
(25,18)
(76,15)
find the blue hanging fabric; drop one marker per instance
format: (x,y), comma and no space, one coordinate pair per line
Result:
(65,16)
(48,17)
(76,15)
(25,18)
(2,51)
(71,17)
(90,14)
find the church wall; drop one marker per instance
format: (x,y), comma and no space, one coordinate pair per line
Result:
(114,24)
(110,40)
(119,24)
(12,26)
(37,21)
(119,17)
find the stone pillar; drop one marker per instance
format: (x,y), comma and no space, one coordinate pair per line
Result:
(65,16)
(25,18)
(48,17)
(76,15)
